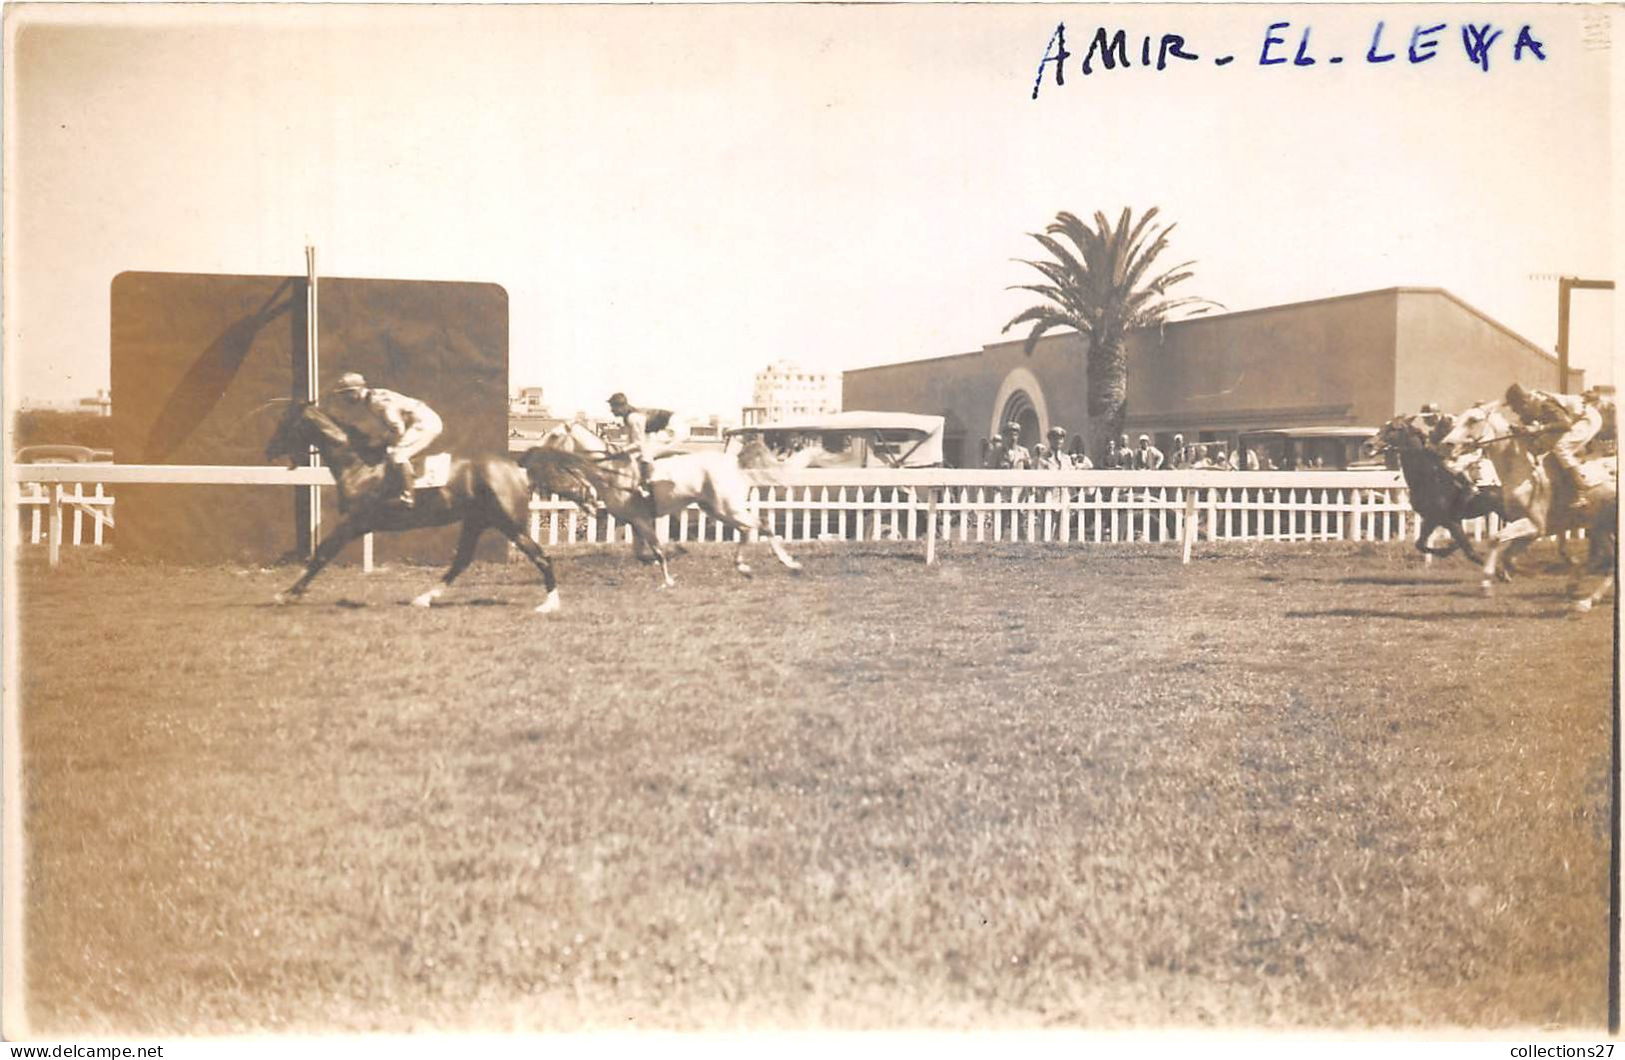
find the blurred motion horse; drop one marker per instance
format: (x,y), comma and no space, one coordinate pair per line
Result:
(1537,494)
(575,463)
(484,493)
(1439,495)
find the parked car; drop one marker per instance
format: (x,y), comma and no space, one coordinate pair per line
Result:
(848,440)
(1315,448)
(63,454)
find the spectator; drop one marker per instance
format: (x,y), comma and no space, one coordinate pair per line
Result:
(1250,459)
(1016,455)
(1112,459)
(993,452)
(1057,444)
(1178,456)
(1125,452)
(1080,457)
(1200,461)
(1148,457)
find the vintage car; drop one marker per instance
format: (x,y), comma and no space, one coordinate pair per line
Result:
(842,440)
(1314,448)
(63,454)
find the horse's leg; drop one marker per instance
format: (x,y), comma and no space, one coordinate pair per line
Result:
(1459,532)
(646,535)
(331,546)
(1518,530)
(1587,603)
(738,515)
(1425,534)
(544,563)
(466,540)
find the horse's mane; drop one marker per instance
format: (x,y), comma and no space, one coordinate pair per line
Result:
(556,471)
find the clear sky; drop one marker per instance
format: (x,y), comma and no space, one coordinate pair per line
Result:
(675,196)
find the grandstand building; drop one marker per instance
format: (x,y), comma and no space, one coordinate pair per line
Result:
(1354,360)
(785,390)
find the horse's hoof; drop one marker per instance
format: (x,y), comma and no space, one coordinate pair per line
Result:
(284,598)
(1583,606)
(744,570)
(550,605)
(425,600)
(794,567)
(1488,586)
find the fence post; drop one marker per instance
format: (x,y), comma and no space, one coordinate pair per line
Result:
(1357,511)
(1190,524)
(931,527)
(55,528)
(366,553)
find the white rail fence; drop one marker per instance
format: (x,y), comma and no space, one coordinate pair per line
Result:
(931,506)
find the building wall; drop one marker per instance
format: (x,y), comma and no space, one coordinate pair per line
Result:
(1353,360)
(1329,362)
(1454,355)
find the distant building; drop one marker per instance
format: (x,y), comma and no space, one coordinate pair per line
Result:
(100,405)
(784,391)
(528,402)
(1352,360)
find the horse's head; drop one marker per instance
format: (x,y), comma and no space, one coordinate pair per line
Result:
(558,471)
(1402,433)
(1483,423)
(572,437)
(303,426)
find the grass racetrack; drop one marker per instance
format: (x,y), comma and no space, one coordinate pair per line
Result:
(1287,786)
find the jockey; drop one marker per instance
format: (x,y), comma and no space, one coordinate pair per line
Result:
(1578,420)
(1603,401)
(404,426)
(639,423)
(1472,469)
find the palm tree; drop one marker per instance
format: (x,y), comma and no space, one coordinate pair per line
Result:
(1099,283)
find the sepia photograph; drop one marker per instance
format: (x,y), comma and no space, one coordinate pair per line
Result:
(753,518)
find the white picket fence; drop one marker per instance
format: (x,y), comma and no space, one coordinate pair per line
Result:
(1063,507)
(936,505)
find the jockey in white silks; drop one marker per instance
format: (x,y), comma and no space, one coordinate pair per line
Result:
(404,425)
(1578,420)
(639,423)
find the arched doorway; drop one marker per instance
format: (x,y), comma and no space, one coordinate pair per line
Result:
(1020,399)
(1018,408)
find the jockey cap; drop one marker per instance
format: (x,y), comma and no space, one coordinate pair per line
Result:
(618,400)
(351,381)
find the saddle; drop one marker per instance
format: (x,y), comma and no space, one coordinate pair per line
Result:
(436,472)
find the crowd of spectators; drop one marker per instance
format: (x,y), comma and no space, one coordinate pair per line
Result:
(1056,453)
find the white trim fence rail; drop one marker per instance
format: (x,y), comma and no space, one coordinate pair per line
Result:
(929,505)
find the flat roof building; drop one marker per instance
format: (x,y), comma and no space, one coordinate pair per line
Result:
(1354,360)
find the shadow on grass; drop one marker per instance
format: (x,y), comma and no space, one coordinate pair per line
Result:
(1429,616)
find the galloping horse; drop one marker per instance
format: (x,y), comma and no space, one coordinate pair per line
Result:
(575,463)
(1437,495)
(482,494)
(1537,495)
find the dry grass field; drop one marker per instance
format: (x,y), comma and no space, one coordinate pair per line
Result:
(1288,786)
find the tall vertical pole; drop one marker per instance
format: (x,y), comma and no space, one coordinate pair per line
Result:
(312,389)
(1565,284)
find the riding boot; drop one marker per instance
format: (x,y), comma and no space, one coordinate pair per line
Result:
(403,481)
(645,469)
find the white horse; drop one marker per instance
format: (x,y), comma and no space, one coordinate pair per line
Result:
(573,462)
(1536,494)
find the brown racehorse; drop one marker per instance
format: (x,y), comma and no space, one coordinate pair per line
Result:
(488,493)
(1537,495)
(1437,494)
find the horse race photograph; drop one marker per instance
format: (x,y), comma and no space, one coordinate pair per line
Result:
(679,524)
